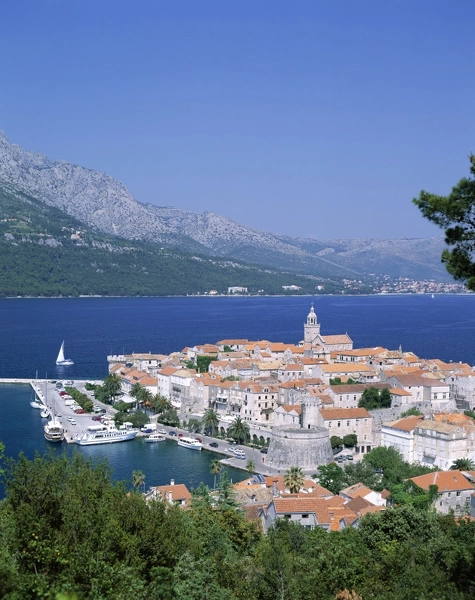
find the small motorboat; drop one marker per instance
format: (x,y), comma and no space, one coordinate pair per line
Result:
(155,437)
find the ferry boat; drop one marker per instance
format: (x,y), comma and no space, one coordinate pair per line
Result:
(54,431)
(100,434)
(187,442)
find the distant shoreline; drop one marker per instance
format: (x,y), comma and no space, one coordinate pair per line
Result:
(399,294)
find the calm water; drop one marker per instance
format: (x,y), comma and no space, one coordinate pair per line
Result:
(33,329)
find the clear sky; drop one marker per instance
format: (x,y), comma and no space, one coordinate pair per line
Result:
(315,118)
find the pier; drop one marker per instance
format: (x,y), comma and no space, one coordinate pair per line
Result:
(46,393)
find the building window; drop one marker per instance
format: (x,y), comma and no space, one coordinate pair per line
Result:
(458,493)
(304,516)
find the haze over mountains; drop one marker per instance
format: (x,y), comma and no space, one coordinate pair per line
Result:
(106,205)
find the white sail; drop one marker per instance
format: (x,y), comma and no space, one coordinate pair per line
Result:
(61,360)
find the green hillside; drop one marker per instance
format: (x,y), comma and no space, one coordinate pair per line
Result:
(45,252)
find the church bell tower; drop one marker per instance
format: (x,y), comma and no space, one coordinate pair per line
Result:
(311,327)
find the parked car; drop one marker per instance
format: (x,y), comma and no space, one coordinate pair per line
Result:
(172,433)
(96,418)
(59,415)
(103,410)
(162,431)
(349,457)
(80,411)
(214,444)
(263,450)
(239,453)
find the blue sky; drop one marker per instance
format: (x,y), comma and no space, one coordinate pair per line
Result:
(306,117)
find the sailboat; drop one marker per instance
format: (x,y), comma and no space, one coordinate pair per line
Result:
(61,360)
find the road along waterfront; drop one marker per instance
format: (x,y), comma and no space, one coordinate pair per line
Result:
(21,430)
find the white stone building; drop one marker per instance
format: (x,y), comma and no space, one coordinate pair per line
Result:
(345,421)
(400,435)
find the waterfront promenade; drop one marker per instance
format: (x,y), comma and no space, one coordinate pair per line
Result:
(45,390)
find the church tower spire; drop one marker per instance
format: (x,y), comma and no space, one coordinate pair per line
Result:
(311,327)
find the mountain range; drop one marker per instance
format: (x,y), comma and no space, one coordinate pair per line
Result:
(106,206)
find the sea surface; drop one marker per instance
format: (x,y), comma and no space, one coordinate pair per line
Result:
(32,331)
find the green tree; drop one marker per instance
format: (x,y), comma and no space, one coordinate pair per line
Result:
(203,361)
(226,494)
(138,479)
(331,477)
(194,425)
(160,403)
(350,440)
(210,421)
(216,467)
(411,412)
(369,399)
(112,386)
(336,441)
(250,466)
(294,479)
(456,214)
(238,430)
(463,464)
(360,472)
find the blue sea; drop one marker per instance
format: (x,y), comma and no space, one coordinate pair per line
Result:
(32,331)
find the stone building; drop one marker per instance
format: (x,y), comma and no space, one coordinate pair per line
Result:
(441,443)
(454,491)
(400,435)
(345,421)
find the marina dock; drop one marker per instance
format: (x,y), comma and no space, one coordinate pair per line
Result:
(46,393)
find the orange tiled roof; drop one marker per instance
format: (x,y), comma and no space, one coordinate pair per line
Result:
(445,480)
(344,413)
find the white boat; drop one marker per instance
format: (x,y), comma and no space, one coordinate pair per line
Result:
(155,437)
(101,434)
(35,404)
(61,360)
(187,442)
(45,413)
(54,431)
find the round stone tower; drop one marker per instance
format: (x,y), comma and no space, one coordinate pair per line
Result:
(304,448)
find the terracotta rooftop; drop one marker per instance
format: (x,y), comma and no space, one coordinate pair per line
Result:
(444,480)
(344,413)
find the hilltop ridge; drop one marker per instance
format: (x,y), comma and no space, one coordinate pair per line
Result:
(104,204)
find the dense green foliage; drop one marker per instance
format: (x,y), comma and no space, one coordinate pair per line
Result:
(84,401)
(69,531)
(411,412)
(382,468)
(372,399)
(38,257)
(203,361)
(455,213)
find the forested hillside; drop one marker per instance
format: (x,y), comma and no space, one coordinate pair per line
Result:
(46,252)
(69,532)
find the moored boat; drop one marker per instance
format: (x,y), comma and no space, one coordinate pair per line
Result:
(54,431)
(38,405)
(155,437)
(187,442)
(101,434)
